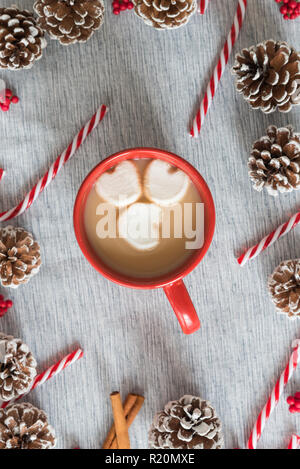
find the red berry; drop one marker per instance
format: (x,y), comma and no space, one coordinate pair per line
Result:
(293,409)
(123,7)
(290,400)
(292,4)
(115,4)
(4,107)
(4,305)
(130,5)
(8,93)
(283,10)
(15,99)
(116,11)
(297,395)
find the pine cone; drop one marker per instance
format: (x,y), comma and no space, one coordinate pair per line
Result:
(165,14)
(284,288)
(23,426)
(189,423)
(17,368)
(21,40)
(268,76)
(20,256)
(70,21)
(275,161)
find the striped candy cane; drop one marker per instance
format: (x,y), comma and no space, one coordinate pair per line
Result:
(50,373)
(56,167)
(269,240)
(294,442)
(219,70)
(203,6)
(274,397)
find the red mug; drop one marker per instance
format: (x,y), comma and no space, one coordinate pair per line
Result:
(172,283)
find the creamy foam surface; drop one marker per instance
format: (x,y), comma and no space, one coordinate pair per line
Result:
(167,255)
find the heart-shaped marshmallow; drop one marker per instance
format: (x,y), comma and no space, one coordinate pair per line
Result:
(139,225)
(120,186)
(165,184)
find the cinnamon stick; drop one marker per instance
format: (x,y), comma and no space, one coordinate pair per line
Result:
(120,421)
(130,417)
(127,406)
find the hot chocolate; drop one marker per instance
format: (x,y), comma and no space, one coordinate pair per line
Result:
(144,218)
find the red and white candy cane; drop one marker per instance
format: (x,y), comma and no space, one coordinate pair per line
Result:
(275,396)
(203,6)
(294,442)
(266,242)
(50,373)
(56,167)
(219,70)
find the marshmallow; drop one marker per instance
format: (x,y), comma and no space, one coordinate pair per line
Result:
(120,186)
(165,184)
(139,225)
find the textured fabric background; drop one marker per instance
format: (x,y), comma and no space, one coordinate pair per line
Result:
(152,82)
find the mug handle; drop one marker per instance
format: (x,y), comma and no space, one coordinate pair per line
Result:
(183,307)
